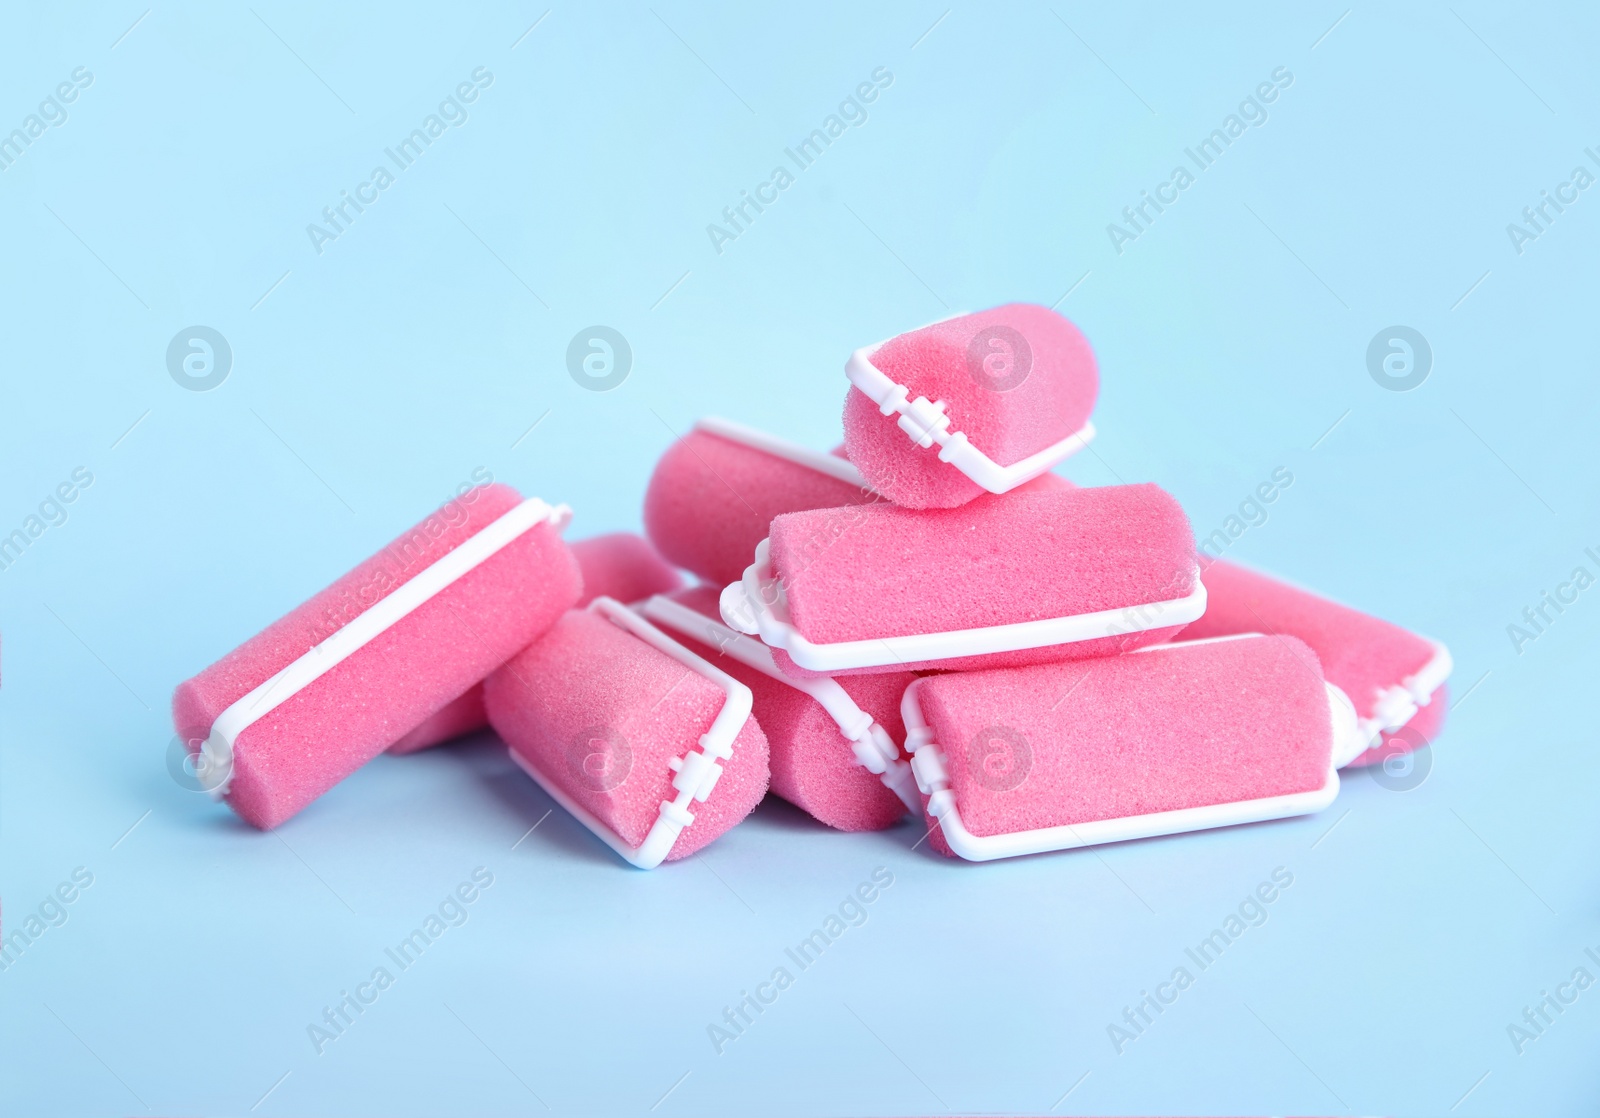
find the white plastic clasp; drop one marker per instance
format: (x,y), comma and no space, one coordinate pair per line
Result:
(1396,705)
(956,447)
(874,749)
(736,609)
(1349,741)
(924,420)
(927,765)
(697,774)
(892,398)
(676,815)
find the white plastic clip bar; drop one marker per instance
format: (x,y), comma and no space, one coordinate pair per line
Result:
(823,463)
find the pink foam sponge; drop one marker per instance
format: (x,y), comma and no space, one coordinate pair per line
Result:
(1028,578)
(1171,738)
(648,745)
(317,694)
(1388,673)
(620,565)
(455,719)
(716,490)
(623,566)
(979,402)
(714,494)
(834,743)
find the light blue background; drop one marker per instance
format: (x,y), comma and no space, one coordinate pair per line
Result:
(425,341)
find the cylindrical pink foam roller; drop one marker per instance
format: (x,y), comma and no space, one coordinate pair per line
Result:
(716,490)
(834,743)
(619,565)
(1006,581)
(1172,738)
(1388,672)
(979,402)
(317,694)
(648,745)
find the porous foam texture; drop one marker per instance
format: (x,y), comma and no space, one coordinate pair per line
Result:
(623,566)
(601,713)
(710,501)
(1423,729)
(1120,736)
(878,571)
(958,361)
(462,716)
(814,766)
(1361,654)
(620,565)
(396,681)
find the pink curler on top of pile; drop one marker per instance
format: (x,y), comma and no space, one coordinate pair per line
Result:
(979,402)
